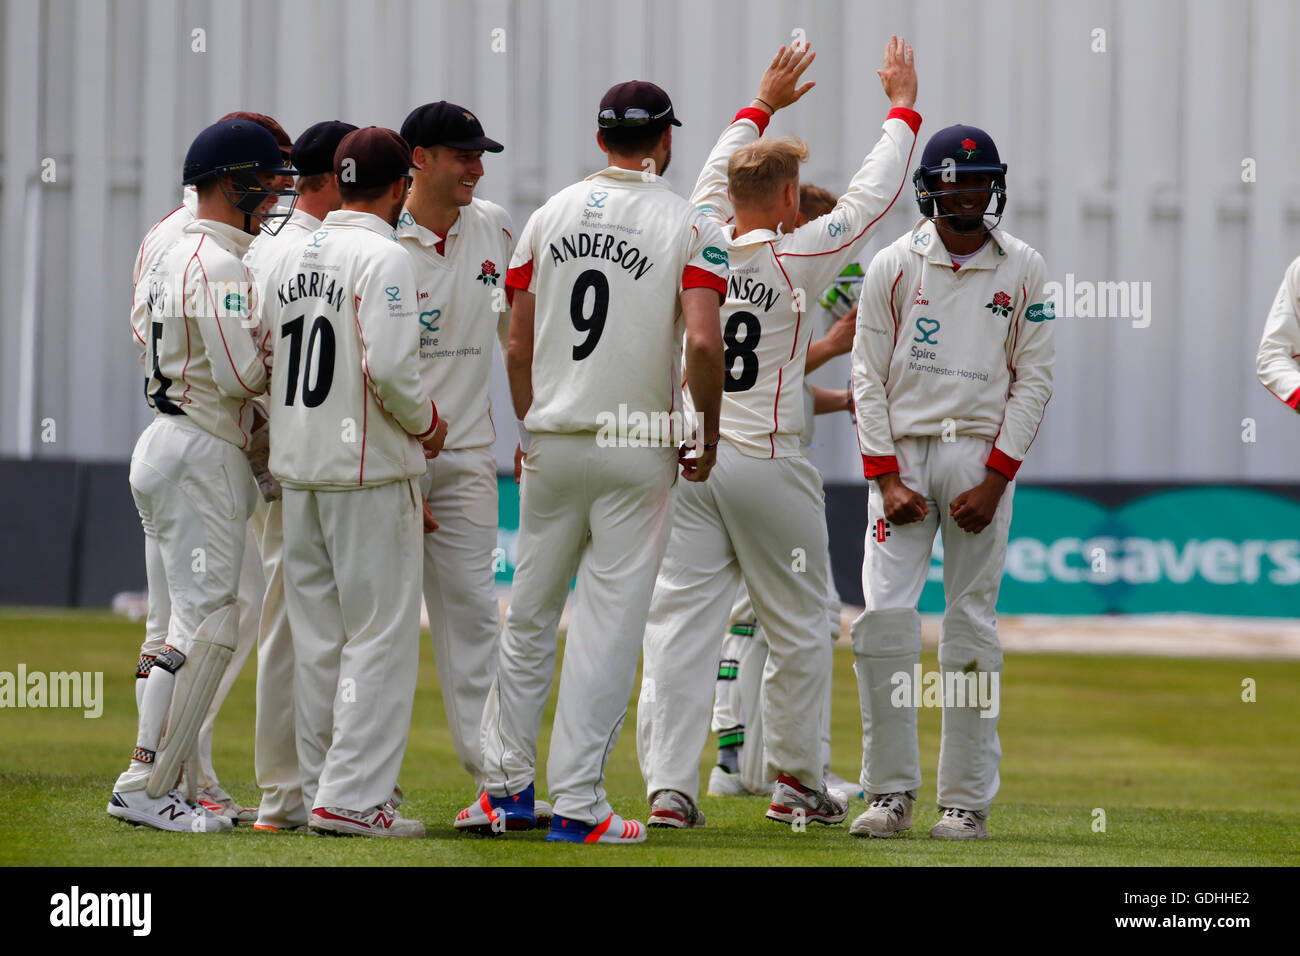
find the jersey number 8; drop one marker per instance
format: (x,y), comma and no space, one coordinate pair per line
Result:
(743,349)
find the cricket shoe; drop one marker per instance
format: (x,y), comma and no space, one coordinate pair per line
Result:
(724,784)
(794,803)
(216,800)
(834,781)
(670,808)
(169,812)
(958,824)
(542,813)
(888,814)
(613,829)
(274,828)
(381,821)
(489,815)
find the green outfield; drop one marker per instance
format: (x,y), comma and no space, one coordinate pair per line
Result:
(1186,772)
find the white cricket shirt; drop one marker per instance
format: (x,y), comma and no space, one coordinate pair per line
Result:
(1278,363)
(776,278)
(969,352)
(462,303)
(607,259)
(346,403)
(202,350)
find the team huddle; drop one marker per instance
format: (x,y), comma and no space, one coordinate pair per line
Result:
(317,323)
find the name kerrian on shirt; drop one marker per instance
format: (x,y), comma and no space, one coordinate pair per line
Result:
(75,689)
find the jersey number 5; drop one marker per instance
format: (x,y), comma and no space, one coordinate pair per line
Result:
(743,349)
(320,344)
(594,324)
(160,399)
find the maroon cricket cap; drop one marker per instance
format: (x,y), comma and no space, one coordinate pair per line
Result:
(446,124)
(649,104)
(378,157)
(271,126)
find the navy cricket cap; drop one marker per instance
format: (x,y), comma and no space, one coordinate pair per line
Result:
(377,157)
(649,106)
(229,146)
(446,124)
(969,147)
(267,123)
(315,148)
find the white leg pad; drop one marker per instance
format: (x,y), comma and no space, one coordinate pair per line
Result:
(197,680)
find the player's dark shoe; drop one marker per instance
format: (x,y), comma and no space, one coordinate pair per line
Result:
(796,804)
(489,815)
(613,829)
(669,808)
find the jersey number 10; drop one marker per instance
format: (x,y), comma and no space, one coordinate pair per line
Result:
(320,344)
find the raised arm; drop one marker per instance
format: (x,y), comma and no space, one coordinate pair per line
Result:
(827,244)
(777,88)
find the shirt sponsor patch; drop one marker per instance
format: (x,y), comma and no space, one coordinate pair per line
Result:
(1041,312)
(714,255)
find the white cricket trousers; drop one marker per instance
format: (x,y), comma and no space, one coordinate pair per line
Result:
(194,492)
(887,636)
(603,512)
(763,519)
(460,590)
(352,588)
(249,602)
(275,745)
(737,697)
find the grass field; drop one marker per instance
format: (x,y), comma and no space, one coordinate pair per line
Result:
(1187,773)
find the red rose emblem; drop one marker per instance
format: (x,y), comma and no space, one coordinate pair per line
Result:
(488,267)
(969,144)
(1002,299)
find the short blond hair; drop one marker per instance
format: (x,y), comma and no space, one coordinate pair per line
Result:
(757,170)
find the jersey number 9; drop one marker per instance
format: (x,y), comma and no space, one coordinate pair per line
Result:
(594,324)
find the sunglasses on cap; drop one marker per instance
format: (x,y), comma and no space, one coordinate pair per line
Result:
(633,116)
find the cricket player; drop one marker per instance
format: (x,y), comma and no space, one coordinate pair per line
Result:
(348,418)
(730,528)
(952,369)
(275,749)
(189,475)
(606,275)
(737,718)
(1278,364)
(460,246)
(165,233)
